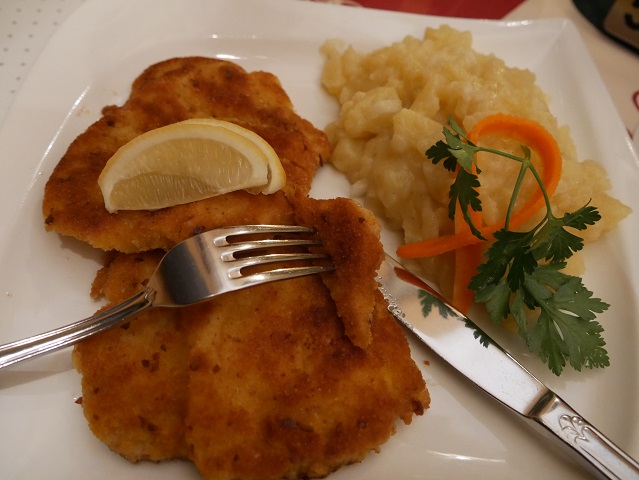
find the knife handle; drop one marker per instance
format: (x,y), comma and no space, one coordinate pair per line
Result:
(564,422)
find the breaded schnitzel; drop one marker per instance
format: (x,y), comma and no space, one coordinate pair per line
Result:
(165,93)
(271,384)
(285,380)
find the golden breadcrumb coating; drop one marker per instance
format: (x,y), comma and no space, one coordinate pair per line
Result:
(165,93)
(260,383)
(292,379)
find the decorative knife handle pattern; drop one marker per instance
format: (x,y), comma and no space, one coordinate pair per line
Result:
(564,422)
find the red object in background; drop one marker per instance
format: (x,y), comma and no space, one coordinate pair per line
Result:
(490,9)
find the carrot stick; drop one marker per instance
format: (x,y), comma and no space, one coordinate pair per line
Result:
(438,245)
(526,131)
(467,259)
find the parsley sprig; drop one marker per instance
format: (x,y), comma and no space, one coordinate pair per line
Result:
(522,275)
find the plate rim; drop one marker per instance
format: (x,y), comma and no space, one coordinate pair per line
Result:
(20,109)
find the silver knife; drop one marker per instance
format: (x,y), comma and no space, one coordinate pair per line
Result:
(456,339)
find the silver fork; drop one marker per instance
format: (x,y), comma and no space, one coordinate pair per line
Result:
(204,266)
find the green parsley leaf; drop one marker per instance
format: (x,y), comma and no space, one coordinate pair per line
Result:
(555,243)
(456,153)
(566,328)
(510,255)
(554,312)
(464,192)
(440,151)
(496,296)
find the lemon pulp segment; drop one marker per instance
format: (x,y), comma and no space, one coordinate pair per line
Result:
(186,162)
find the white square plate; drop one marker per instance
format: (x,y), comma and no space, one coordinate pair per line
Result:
(45,279)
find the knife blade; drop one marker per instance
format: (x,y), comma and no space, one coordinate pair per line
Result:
(461,343)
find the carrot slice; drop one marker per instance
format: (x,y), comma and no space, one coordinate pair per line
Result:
(538,139)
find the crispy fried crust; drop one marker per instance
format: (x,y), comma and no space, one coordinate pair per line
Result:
(294,398)
(268,386)
(285,380)
(134,376)
(351,234)
(168,92)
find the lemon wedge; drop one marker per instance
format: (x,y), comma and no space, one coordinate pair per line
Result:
(189,161)
(277,175)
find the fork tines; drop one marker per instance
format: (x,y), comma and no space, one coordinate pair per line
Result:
(250,248)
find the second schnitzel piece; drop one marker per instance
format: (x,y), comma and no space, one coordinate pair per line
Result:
(135,376)
(276,390)
(165,93)
(262,383)
(294,379)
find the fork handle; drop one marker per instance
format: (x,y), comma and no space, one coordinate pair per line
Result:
(53,340)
